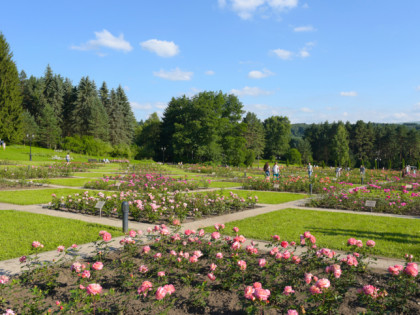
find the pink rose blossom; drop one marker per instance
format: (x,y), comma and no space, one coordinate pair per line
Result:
(86,274)
(308,277)
(98,265)
(370,243)
(276,238)
(323,283)
(161,273)
(284,244)
(132,233)
(219,256)
(143,269)
(36,244)
(262,262)
(145,287)
(106,237)
(249,293)
(235,229)
(262,294)
(22,259)
(215,235)
(60,248)
(315,290)
(411,269)
(213,267)
(160,293)
(211,276)
(292,312)
(4,279)
(351,241)
(93,289)
(288,290)
(242,264)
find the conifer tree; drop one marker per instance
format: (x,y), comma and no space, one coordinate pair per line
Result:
(10,96)
(128,121)
(49,131)
(53,93)
(116,120)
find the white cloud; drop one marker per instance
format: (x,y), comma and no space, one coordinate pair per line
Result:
(145,106)
(282,54)
(161,105)
(304,53)
(161,48)
(222,3)
(106,39)
(308,28)
(209,72)
(247,8)
(350,93)
(306,110)
(400,115)
(256,74)
(250,91)
(174,75)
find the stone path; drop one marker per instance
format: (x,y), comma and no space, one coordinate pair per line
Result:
(12,266)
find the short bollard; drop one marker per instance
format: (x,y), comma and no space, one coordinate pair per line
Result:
(245,174)
(361,180)
(125,210)
(310,188)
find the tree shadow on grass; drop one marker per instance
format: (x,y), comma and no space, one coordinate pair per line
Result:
(359,234)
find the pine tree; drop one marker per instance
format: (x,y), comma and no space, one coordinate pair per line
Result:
(89,116)
(69,102)
(116,120)
(10,96)
(53,93)
(129,121)
(49,131)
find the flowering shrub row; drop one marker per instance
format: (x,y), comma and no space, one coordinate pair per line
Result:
(192,272)
(147,183)
(155,207)
(396,199)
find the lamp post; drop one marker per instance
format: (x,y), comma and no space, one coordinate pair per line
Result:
(30,137)
(163,154)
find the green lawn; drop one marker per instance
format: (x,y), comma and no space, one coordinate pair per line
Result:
(268,197)
(19,229)
(74,182)
(224,184)
(34,196)
(393,236)
(92,175)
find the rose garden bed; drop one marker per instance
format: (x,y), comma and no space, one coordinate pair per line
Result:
(194,273)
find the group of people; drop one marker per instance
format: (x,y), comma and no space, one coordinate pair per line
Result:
(275,169)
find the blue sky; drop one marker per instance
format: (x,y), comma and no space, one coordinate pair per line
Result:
(308,60)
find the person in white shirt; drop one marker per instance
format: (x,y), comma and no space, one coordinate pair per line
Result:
(275,171)
(310,170)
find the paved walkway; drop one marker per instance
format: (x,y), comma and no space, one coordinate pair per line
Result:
(12,266)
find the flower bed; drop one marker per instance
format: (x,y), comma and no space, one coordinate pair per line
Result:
(198,274)
(155,207)
(394,198)
(146,183)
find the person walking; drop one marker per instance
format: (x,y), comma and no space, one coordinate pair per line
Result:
(310,169)
(4,145)
(68,158)
(276,171)
(267,170)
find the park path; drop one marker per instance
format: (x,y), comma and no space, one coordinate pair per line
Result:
(12,266)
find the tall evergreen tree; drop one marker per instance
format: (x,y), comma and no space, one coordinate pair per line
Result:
(89,115)
(129,121)
(53,93)
(10,96)
(69,102)
(49,130)
(116,120)
(105,98)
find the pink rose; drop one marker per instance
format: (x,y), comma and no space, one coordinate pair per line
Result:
(215,235)
(146,249)
(359,243)
(160,293)
(292,312)
(219,256)
(302,240)
(351,241)
(77,267)
(98,265)
(143,269)
(312,239)
(411,269)
(106,237)
(36,244)
(211,276)
(262,294)
(145,288)
(370,243)
(288,290)
(132,233)
(22,259)
(235,229)
(4,279)
(157,255)
(308,277)
(276,238)
(242,264)
(284,244)
(169,288)
(323,283)
(93,289)
(315,290)
(307,234)
(262,262)
(60,248)
(249,293)
(86,274)
(213,267)
(161,273)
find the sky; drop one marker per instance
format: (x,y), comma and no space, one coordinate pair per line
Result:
(309,60)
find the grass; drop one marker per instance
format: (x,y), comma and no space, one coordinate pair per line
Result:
(74,182)
(34,196)
(91,175)
(268,197)
(393,236)
(19,229)
(224,184)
